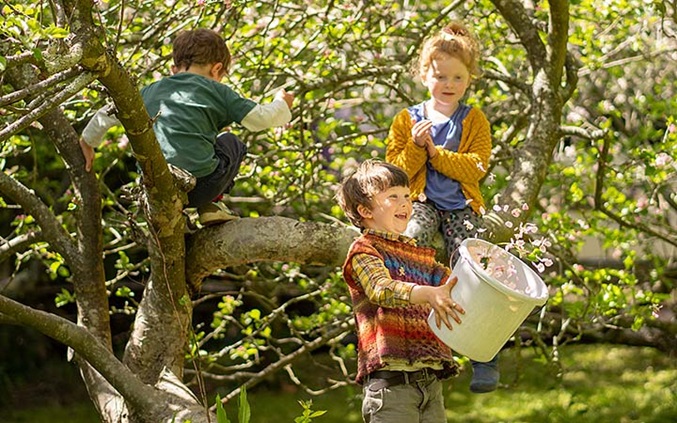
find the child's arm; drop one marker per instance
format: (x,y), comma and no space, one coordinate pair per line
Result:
(401,150)
(471,164)
(276,113)
(439,298)
(370,272)
(383,290)
(93,134)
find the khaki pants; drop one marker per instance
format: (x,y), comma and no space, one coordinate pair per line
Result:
(416,402)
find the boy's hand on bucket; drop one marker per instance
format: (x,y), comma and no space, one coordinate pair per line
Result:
(439,298)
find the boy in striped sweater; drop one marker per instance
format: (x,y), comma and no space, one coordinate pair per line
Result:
(394,284)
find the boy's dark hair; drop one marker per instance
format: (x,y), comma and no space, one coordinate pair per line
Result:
(369,179)
(200,46)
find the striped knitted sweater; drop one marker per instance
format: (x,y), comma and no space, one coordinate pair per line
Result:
(397,334)
(467,166)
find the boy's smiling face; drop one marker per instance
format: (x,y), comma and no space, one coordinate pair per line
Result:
(390,210)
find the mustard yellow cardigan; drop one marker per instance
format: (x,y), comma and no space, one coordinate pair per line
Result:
(467,166)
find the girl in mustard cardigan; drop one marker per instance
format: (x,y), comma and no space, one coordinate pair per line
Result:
(444,147)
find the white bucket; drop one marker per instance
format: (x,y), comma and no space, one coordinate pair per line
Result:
(497,297)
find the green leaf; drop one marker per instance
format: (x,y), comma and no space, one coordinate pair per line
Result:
(64,298)
(221,416)
(244,412)
(37,53)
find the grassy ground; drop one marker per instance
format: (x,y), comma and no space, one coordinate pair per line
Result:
(600,384)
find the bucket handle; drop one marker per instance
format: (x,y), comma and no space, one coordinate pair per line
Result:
(452,263)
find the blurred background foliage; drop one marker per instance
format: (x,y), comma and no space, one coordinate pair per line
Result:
(609,225)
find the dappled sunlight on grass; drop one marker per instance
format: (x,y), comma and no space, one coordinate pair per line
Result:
(601,384)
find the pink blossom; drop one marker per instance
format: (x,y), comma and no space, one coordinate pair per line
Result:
(655,311)
(123,143)
(642,203)
(516,212)
(662,159)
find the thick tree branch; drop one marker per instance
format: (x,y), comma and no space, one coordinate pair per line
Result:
(148,350)
(514,13)
(558,36)
(86,261)
(88,347)
(265,239)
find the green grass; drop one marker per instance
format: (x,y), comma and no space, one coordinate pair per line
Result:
(73,413)
(601,384)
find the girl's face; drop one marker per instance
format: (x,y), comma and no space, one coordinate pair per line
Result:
(447,79)
(390,211)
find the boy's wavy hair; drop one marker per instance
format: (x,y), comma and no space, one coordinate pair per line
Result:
(202,47)
(359,188)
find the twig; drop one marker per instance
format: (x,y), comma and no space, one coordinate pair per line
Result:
(25,121)
(44,84)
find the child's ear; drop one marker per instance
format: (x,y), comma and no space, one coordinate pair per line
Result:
(217,70)
(364,211)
